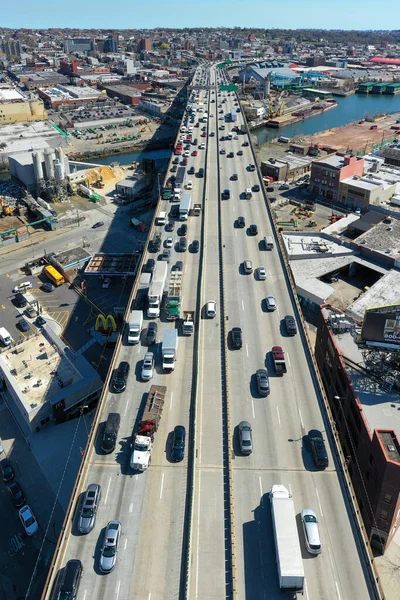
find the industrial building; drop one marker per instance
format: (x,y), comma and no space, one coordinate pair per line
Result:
(44,380)
(42,173)
(287,169)
(24,137)
(125,93)
(63,95)
(14,108)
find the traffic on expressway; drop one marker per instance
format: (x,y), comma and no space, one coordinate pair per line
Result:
(229,408)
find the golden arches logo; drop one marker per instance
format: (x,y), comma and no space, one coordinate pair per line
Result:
(105,324)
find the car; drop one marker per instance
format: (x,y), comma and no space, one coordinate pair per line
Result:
(284,186)
(151,334)
(204,128)
(239,153)
(23,325)
(170,226)
(204,134)
(256,187)
(236,335)
(88,511)
(149,266)
(262,382)
(290,323)
(202,146)
(98,224)
(178,443)
(222,151)
(48,287)
(253,229)
(189,185)
(261,273)
(28,520)
(195,246)
(40,321)
(30,311)
(245,438)
(211,309)
(241,222)
(270,302)
(121,376)
(16,494)
(186,153)
(148,366)
(184,162)
(182,229)
(166,254)
(251,167)
(182,244)
(69,580)
(245,144)
(20,300)
(176,160)
(22,287)
(270,188)
(106,283)
(187,147)
(201,172)
(309,522)
(234,177)
(318,448)
(191,171)
(109,547)
(178,266)
(174,169)
(169,242)
(212,134)
(194,153)
(6,470)
(226,195)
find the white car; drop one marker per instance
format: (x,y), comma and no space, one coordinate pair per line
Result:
(311,534)
(22,287)
(186,153)
(211,309)
(261,273)
(211,114)
(169,242)
(202,146)
(148,366)
(189,185)
(271,303)
(28,520)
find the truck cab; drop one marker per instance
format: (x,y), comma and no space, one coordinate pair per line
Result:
(141,455)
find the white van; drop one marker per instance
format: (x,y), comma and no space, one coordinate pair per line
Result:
(211,309)
(177,194)
(162,218)
(5,337)
(269,243)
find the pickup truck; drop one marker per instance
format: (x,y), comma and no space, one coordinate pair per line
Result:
(278,357)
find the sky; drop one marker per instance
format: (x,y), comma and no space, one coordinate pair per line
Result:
(120,14)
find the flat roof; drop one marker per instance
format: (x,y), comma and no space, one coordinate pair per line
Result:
(69,258)
(384,292)
(113,264)
(10,94)
(368,182)
(383,238)
(379,407)
(333,161)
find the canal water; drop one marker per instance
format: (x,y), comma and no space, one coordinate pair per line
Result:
(350,108)
(127,158)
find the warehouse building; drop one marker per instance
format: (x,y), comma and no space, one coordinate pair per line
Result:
(125,93)
(64,95)
(15,108)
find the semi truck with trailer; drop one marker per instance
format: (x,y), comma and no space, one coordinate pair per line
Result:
(169,350)
(156,289)
(288,554)
(180,177)
(173,301)
(233,115)
(143,433)
(185,205)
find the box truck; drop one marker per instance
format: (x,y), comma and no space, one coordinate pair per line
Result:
(135,326)
(169,350)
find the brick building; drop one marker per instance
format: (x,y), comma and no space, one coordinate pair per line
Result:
(327,173)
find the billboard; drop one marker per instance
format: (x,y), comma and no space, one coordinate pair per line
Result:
(382,325)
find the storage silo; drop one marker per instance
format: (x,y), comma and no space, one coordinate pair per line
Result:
(48,159)
(59,170)
(37,159)
(60,154)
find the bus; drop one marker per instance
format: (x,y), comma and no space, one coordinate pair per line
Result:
(55,277)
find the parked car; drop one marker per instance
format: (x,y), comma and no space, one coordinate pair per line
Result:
(109,547)
(20,300)
(262,382)
(151,333)
(98,224)
(245,438)
(178,443)
(22,287)
(236,335)
(6,470)
(318,448)
(290,323)
(16,494)
(28,520)
(309,522)
(88,512)
(47,287)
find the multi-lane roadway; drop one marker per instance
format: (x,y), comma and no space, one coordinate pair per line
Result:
(151,505)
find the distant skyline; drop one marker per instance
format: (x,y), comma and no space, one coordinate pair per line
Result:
(135,14)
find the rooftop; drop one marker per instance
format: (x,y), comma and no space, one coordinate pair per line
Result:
(10,94)
(69,92)
(368,182)
(21,137)
(334,160)
(383,238)
(384,292)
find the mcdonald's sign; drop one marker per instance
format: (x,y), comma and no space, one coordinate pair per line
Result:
(105,324)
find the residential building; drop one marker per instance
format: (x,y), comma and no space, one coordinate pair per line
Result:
(10,48)
(111,44)
(77,45)
(328,172)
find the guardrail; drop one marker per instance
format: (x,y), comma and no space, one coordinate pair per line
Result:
(322,398)
(70,513)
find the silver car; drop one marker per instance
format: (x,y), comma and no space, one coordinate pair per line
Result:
(148,366)
(90,504)
(311,533)
(109,547)
(245,437)
(271,302)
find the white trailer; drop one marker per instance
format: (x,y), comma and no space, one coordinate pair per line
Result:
(185,205)
(135,326)
(156,289)
(287,546)
(169,350)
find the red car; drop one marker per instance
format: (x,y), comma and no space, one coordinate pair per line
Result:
(194,153)
(203,134)
(184,162)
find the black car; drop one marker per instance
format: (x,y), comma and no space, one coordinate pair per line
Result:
(256,188)
(318,448)
(239,152)
(237,342)
(178,443)
(170,226)
(253,229)
(111,428)
(16,494)
(47,287)
(234,177)
(149,266)
(251,168)
(291,327)
(182,244)
(245,144)
(201,172)
(178,266)
(270,188)
(121,376)
(151,333)
(241,222)
(68,584)
(40,321)
(195,246)
(174,169)
(20,300)
(175,161)
(191,171)
(98,224)
(182,229)
(226,195)
(262,382)
(174,212)
(230,155)
(6,470)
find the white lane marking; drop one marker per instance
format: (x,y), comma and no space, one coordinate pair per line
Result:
(162,486)
(247,350)
(126,408)
(306,589)
(337,589)
(252,408)
(131,507)
(170,404)
(117,588)
(290,489)
(259,481)
(198,541)
(84,595)
(107,492)
(301,419)
(185,272)
(242,305)
(279,417)
(277,310)
(288,359)
(136,476)
(149,596)
(126,543)
(319,502)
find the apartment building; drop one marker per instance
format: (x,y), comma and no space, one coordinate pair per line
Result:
(327,173)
